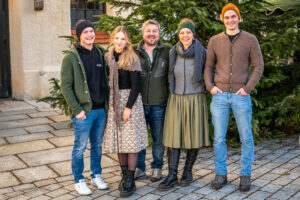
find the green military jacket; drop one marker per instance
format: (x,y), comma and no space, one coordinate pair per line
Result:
(154,77)
(74,85)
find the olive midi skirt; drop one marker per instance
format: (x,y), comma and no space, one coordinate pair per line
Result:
(186,121)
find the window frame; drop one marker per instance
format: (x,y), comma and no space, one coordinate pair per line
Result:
(82,6)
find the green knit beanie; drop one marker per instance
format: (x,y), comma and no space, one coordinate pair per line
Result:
(187,24)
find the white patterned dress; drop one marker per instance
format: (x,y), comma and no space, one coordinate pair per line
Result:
(132,136)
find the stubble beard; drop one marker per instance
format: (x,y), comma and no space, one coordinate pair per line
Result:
(151,44)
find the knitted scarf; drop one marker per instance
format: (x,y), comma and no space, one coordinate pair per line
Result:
(114,81)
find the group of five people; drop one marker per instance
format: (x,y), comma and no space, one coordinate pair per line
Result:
(153,84)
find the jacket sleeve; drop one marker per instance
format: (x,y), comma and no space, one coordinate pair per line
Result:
(67,82)
(257,62)
(209,68)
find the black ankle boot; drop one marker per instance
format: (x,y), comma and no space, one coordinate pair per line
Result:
(219,182)
(124,170)
(187,176)
(129,184)
(171,180)
(245,183)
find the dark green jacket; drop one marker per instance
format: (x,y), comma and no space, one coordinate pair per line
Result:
(155,87)
(74,85)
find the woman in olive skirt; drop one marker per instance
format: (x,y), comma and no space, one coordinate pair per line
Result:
(126,131)
(186,121)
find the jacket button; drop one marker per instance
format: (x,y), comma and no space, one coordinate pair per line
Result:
(86,91)
(84,81)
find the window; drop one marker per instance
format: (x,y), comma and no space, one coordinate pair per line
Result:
(85,9)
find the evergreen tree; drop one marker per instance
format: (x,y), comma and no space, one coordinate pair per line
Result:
(278,35)
(276,109)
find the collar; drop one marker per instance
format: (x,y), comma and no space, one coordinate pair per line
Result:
(225,36)
(234,34)
(75,52)
(81,48)
(140,46)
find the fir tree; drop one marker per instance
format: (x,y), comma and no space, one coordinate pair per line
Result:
(278,35)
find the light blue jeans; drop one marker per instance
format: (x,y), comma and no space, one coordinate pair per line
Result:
(91,128)
(220,108)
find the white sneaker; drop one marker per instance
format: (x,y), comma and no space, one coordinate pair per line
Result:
(82,188)
(98,182)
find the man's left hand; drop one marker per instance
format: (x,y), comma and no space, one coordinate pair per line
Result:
(242,92)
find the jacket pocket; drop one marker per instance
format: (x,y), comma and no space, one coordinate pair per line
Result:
(162,68)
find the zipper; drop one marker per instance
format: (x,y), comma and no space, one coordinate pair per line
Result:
(149,78)
(148,86)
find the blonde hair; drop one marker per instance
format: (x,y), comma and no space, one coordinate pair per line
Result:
(128,56)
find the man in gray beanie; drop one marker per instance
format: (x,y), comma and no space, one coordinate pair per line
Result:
(84,86)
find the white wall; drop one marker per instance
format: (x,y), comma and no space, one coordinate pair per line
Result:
(35,46)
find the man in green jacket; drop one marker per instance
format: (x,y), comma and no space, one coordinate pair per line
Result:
(84,86)
(154,57)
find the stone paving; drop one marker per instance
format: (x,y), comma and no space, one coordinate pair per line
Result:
(35,150)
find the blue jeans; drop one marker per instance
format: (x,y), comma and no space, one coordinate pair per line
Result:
(242,110)
(155,116)
(91,128)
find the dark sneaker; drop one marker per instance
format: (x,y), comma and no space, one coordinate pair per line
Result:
(156,175)
(245,183)
(140,174)
(219,182)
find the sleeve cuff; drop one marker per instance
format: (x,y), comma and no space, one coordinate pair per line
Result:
(208,88)
(77,111)
(129,106)
(248,90)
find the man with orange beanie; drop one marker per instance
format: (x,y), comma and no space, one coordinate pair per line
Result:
(227,78)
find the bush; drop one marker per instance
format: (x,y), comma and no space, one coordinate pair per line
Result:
(56,99)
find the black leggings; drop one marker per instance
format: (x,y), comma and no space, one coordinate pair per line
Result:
(128,159)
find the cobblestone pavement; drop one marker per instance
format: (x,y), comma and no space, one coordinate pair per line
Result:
(35,152)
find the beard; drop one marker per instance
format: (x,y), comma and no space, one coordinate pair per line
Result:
(154,43)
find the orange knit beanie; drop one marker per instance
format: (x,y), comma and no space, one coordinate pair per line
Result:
(230,6)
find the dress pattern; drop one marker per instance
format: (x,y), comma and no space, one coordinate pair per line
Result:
(130,137)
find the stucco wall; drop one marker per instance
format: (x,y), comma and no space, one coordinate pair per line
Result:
(112,11)
(36,50)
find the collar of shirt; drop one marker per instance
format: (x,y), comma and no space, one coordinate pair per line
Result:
(231,37)
(142,49)
(82,49)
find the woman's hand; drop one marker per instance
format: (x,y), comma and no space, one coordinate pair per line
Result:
(126,114)
(81,115)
